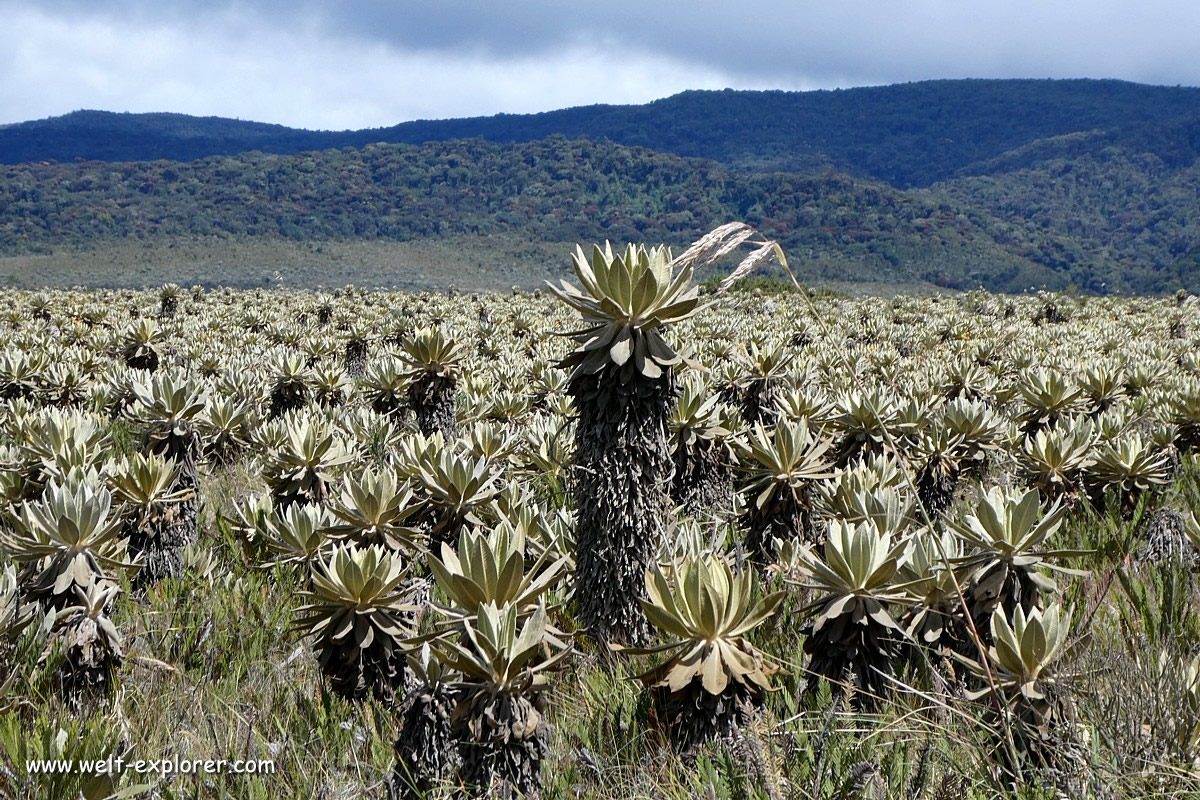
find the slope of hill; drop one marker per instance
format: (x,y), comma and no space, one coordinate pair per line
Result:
(552,190)
(1007,184)
(904,135)
(106,136)
(1055,224)
(1114,211)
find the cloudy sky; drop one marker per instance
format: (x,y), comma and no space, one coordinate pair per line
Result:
(368,63)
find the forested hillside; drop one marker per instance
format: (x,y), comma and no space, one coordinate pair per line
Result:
(905,135)
(1012,185)
(1127,216)
(557,190)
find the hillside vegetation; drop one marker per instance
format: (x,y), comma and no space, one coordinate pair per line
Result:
(1028,229)
(911,134)
(1009,185)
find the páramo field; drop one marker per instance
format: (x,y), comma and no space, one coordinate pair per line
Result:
(620,539)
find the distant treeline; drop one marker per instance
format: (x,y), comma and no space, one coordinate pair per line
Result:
(905,135)
(1010,185)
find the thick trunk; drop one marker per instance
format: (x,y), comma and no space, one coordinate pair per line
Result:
(693,717)
(703,482)
(622,475)
(287,397)
(1165,540)
(161,542)
(354,672)
(502,756)
(432,401)
(758,402)
(935,488)
(853,657)
(147,361)
(787,516)
(355,358)
(424,750)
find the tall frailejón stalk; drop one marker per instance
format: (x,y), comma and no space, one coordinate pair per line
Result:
(624,389)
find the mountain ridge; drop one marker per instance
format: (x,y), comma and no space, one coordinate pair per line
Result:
(907,135)
(561,189)
(1011,185)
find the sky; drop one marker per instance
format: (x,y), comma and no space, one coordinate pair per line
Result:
(370,63)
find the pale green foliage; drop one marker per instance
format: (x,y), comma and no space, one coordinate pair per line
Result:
(357,595)
(169,400)
(71,535)
(626,299)
(1026,648)
(784,457)
(430,351)
(1008,524)
(491,569)
(706,611)
(373,508)
(301,533)
(498,652)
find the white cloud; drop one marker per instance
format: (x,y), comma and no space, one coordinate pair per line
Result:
(369,63)
(235,66)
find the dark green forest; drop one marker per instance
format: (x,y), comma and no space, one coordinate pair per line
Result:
(1057,224)
(1011,185)
(905,135)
